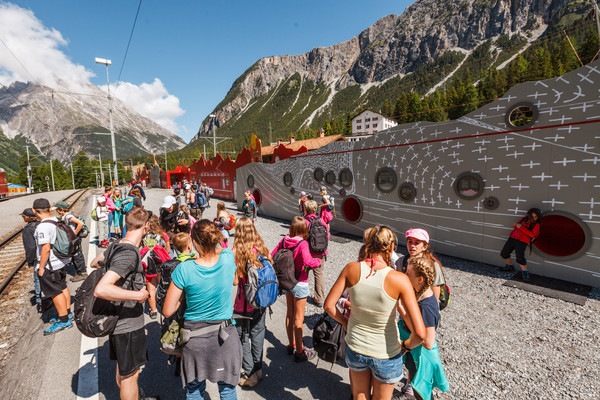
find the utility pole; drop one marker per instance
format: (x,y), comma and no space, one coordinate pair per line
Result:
(204,151)
(166,167)
(52,173)
(101,171)
(72,176)
(214,138)
(270,134)
(110,175)
(110,115)
(30,187)
(96,172)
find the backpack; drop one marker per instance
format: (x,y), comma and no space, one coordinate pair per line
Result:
(317,239)
(199,200)
(171,334)
(331,202)
(285,269)
(231,223)
(94,214)
(329,339)
(67,242)
(261,287)
(96,317)
(210,191)
(166,269)
(84,232)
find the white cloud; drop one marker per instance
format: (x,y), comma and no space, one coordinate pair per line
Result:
(152,100)
(40,50)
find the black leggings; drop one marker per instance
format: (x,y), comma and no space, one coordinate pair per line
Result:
(519,248)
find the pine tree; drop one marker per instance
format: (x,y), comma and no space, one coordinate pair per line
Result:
(590,46)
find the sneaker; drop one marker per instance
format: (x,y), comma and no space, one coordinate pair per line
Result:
(525,276)
(79,277)
(55,320)
(290,350)
(306,355)
(57,327)
(248,381)
(506,268)
(153,314)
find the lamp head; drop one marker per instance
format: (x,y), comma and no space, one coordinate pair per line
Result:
(103,61)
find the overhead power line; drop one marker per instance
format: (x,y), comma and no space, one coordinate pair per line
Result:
(127,49)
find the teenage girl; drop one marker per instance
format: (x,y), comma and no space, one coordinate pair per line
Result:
(117,213)
(156,236)
(326,214)
(223,222)
(524,231)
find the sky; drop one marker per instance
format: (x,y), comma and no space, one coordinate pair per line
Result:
(184,55)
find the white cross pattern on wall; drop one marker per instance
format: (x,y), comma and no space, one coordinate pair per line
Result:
(553,202)
(558,185)
(591,202)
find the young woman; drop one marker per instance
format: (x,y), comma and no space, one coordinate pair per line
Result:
(296,298)
(310,207)
(213,351)
(223,222)
(417,244)
(251,329)
(425,358)
(524,231)
(374,350)
(118,213)
(326,213)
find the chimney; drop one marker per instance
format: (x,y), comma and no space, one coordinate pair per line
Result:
(292,139)
(321,133)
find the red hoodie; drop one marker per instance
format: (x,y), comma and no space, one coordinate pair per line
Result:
(524,234)
(302,256)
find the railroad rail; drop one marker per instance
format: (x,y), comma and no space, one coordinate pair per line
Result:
(11,249)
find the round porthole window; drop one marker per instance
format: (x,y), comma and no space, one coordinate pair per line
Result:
(521,115)
(292,190)
(352,209)
(490,203)
(250,181)
(287,179)
(330,178)
(342,192)
(407,191)
(318,174)
(563,236)
(257,197)
(386,180)
(345,177)
(468,186)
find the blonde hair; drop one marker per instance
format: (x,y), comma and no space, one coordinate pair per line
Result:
(380,240)
(310,206)
(246,239)
(424,268)
(180,241)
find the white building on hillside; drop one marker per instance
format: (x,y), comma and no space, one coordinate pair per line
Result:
(369,122)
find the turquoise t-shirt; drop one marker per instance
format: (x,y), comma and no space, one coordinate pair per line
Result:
(208,290)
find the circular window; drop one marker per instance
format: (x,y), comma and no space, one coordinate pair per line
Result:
(292,191)
(330,178)
(521,115)
(342,192)
(250,181)
(287,179)
(468,185)
(563,236)
(257,197)
(407,191)
(352,209)
(318,174)
(386,180)
(490,203)
(345,177)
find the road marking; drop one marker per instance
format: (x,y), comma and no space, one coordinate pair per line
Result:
(87,382)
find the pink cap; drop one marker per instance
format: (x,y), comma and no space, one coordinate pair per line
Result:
(419,234)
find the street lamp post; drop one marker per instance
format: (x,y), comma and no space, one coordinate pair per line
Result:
(166,168)
(112,132)
(101,170)
(213,116)
(30,186)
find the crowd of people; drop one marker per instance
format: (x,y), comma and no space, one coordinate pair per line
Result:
(186,269)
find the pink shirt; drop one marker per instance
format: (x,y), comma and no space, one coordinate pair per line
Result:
(302,256)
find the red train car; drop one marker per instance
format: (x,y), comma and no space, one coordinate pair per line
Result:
(3,184)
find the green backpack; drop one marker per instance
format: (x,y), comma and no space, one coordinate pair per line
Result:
(94,215)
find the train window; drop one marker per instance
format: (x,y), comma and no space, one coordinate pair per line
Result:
(318,174)
(521,115)
(490,203)
(386,180)
(468,186)
(407,191)
(288,179)
(352,209)
(345,177)
(250,181)
(257,197)
(330,178)
(556,226)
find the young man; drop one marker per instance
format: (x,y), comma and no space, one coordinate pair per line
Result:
(31,250)
(124,281)
(51,269)
(78,260)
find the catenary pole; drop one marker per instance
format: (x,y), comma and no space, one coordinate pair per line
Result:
(52,173)
(72,176)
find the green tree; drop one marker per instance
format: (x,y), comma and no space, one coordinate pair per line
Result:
(589,48)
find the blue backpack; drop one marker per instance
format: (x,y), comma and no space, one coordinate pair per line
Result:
(199,200)
(261,287)
(128,206)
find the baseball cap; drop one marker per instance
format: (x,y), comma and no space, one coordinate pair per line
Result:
(40,204)
(322,188)
(62,204)
(168,201)
(28,212)
(188,186)
(419,234)
(302,193)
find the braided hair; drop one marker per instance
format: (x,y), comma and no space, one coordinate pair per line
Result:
(425,268)
(380,240)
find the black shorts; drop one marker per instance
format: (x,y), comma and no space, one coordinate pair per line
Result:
(129,349)
(52,283)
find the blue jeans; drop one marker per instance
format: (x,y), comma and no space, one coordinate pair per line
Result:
(195,391)
(253,339)
(110,223)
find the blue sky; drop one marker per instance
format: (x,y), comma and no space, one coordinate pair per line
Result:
(184,55)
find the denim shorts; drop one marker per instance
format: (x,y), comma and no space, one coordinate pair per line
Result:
(300,291)
(385,370)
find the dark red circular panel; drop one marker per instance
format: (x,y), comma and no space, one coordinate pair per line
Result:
(257,196)
(352,209)
(560,236)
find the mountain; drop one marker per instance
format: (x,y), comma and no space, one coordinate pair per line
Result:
(429,45)
(59,124)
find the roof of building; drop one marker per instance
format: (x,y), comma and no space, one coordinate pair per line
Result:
(15,186)
(310,144)
(371,111)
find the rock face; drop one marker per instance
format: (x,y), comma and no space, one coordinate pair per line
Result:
(393,45)
(61,124)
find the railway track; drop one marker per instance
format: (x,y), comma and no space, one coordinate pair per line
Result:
(12,254)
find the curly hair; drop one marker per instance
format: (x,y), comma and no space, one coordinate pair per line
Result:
(246,239)
(206,236)
(424,268)
(380,240)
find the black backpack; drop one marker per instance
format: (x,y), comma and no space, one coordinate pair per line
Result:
(166,269)
(285,269)
(329,339)
(67,242)
(317,240)
(96,317)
